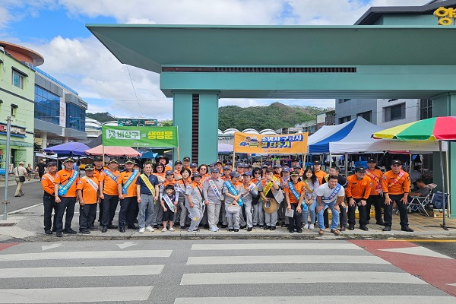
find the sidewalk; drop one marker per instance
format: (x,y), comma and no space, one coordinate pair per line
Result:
(27,225)
(12,181)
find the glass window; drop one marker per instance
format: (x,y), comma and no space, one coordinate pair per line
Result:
(425,108)
(18,80)
(395,112)
(344,119)
(75,117)
(47,105)
(366,115)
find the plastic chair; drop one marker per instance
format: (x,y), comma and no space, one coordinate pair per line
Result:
(419,203)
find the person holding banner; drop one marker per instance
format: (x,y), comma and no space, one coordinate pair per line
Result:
(87,191)
(65,182)
(311,183)
(250,192)
(148,191)
(358,191)
(128,196)
(194,202)
(109,193)
(258,212)
(270,192)
(376,196)
(233,191)
(294,195)
(181,187)
(330,195)
(212,189)
(169,203)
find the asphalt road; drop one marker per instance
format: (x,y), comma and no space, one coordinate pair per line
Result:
(33,194)
(206,271)
(447,248)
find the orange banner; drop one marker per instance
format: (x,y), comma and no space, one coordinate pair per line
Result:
(270,144)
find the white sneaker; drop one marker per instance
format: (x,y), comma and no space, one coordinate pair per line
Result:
(150,229)
(141,230)
(311,226)
(172,229)
(164,229)
(306,226)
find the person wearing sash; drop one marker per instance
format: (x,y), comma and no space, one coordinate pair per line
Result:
(164,161)
(330,195)
(396,187)
(193,168)
(311,184)
(267,187)
(233,191)
(177,169)
(226,173)
(186,162)
(219,165)
(376,196)
(109,193)
(98,162)
(194,203)
(334,171)
(277,171)
(283,178)
(87,191)
(258,212)
(181,187)
(169,203)
(226,176)
(263,170)
(212,189)
(358,191)
(320,174)
(147,191)
(294,196)
(47,182)
(203,170)
(65,182)
(128,197)
(250,192)
(158,210)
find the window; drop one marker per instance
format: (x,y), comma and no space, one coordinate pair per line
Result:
(366,115)
(75,117)
(425,108)
(47,105)
(394,112)
(344,119)
(18,79)
(343,100)
(13,110)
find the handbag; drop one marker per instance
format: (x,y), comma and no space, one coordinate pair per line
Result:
(21,178)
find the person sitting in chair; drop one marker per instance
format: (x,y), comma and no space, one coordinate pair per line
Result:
(422,191)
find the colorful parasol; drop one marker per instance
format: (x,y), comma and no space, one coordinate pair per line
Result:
(436,128)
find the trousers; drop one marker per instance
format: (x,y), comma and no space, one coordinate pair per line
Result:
(335,215)
(109,209)
(127,213)
(362,213)
(376,201)
(49,206)
(65,207)
(213,213)
(87,214)
(195,214)
(146,211)
(400,206)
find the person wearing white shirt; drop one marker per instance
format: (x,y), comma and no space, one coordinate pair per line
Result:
(330,195)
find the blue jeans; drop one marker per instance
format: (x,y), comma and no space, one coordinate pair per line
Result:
(146,211)
(335,215)
(310,210)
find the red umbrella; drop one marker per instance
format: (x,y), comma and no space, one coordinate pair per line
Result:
(113,151)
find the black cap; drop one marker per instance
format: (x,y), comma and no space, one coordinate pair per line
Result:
(396,162)
(371,160)
(98,158)
(129,161)
(294,173)
(360,170)
(194,165)
(69,159)
(264,166)
(295,160)
(52,163)
(186,158)
(89,168)
(169,172)
(317,162)
(113,161)
(177,162)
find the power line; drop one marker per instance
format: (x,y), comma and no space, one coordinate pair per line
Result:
(134,90)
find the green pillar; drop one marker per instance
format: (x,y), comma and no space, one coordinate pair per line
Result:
(208,127)
(445,105)
(182,118)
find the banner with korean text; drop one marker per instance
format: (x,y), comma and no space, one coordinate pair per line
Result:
(270,144)
(140,137)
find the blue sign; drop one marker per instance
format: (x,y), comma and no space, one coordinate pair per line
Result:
(2,171)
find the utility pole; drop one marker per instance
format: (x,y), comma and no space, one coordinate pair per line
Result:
(7,160)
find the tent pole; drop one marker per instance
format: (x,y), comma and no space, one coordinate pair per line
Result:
(234,159)
(443,186)
(448,182)
(330,159)
(346,164)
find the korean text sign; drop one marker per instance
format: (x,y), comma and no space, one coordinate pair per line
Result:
(270,144)
(137,137)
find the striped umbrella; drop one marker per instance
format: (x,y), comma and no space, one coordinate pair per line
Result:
(431,129)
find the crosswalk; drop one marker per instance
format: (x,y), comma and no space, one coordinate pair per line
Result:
(211,271)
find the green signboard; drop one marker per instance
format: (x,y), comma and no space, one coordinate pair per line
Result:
(137,137)
(137,122)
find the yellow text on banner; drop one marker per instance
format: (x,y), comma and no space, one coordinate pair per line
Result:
(270,144)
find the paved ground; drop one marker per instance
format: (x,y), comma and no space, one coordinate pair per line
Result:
(216,271)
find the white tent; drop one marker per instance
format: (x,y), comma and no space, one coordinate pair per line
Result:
(380,145)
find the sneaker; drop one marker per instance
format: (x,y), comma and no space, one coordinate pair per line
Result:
(164,229)
(150,229)
(141,230)
(214,229)
(172,229)
(306,226)
(311,227)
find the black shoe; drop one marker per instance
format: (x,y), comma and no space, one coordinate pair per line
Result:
(59,234)
(407,229)
(350,227)
(104,229)
(260,226)
(69,231)
(273,227)
(48,231)
(113,226)
(17,196)
(155,226)
(249,229)
(284,225)
(224,226)
(93,228)
(122,229)
(54,230)
(266,228)
(236,230)
(243,227)
(363,228)
(342,228)
(84,231)
(299,231)
(206,226)
(182,227)
(381,223)
(132,227)
(230,230)
(367,222)
(291,231)
(387,228)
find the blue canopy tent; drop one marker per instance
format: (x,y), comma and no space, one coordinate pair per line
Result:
(320,144)
(68,149)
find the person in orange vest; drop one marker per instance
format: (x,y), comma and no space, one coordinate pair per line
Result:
(376,196)
(294,196)
(65,182)
(109,193)
(98,162)
(320,174)
(186,162)
(396,187)
(47,182)
(358,191)
(126,186)
(87,191)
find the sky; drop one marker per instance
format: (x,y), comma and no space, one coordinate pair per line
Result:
(56,29)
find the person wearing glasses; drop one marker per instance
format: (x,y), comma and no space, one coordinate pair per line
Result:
(396,187)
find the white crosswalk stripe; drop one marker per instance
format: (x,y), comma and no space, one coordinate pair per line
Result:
(85,255)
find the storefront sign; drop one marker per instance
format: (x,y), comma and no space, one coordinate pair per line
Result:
(137,122)
(136,137)
(14,129)
(270,144)
(446,15)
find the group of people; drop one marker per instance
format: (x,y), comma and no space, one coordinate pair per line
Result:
(194,196)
